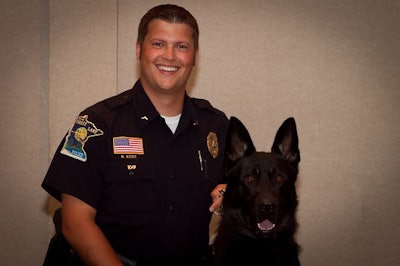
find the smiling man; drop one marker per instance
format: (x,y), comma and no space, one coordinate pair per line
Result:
(138,191)
(167,55)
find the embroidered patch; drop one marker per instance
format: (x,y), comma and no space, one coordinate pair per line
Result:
(77,136)
(128,145)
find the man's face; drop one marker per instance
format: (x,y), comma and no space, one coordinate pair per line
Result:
(166,56)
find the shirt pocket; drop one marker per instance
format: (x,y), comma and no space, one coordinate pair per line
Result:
(129,185)
(212,168)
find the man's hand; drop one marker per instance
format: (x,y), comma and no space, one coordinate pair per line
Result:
(217,195)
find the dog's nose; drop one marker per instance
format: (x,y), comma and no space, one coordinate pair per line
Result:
(267,208)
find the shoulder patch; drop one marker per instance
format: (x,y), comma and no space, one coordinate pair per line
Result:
(77,136)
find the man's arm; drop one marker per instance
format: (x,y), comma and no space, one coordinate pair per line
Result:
(81,231)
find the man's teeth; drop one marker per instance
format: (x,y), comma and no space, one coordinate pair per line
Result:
(167,68)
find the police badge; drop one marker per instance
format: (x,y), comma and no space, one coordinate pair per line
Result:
(212,144)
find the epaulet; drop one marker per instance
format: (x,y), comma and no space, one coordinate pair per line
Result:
(112,103)
(119,99)
(204,104)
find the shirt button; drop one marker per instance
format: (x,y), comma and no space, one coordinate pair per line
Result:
(171,208)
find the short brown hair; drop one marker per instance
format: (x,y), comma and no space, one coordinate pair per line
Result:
(170,13)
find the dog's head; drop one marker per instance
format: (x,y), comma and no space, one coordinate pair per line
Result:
(260,189)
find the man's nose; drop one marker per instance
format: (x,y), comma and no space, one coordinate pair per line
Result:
(170,53)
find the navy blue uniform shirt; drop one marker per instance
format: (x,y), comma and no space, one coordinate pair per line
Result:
(150,187)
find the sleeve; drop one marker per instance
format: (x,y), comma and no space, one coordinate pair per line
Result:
(78,165)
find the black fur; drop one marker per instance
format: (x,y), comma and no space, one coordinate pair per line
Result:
(258,222)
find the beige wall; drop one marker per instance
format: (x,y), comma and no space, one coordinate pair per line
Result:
(333,65)
(24,138)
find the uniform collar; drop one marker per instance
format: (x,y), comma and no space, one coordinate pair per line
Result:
(147,112)
(189,114)
(144,107)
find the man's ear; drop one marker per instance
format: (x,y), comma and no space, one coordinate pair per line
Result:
(138,50)
(196,53)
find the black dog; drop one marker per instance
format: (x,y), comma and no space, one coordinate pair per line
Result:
(258,222)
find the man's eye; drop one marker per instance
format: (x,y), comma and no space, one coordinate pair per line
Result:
(182,46)
(157,44)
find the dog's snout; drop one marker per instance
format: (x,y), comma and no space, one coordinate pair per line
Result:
(267,207)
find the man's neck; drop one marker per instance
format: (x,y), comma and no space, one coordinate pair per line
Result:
(167,104)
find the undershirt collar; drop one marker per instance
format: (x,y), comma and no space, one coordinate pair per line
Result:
(172,121)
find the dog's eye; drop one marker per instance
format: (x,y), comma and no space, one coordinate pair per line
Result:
(249,179)
(256,171)
(278,178)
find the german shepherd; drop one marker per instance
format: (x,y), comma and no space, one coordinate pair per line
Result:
(258,221)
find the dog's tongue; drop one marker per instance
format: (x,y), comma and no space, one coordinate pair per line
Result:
(266,225)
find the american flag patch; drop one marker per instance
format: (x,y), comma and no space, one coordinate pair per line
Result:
(128,145)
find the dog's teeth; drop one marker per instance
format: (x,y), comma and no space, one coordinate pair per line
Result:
(266,225)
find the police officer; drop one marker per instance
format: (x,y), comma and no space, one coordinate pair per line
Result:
(134,173)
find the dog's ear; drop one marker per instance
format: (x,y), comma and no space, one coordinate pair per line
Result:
(238,143)
(286,141)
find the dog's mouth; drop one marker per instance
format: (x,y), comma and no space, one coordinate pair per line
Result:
(266,226)
(266,217)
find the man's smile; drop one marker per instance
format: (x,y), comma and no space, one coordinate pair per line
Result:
(167,68)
